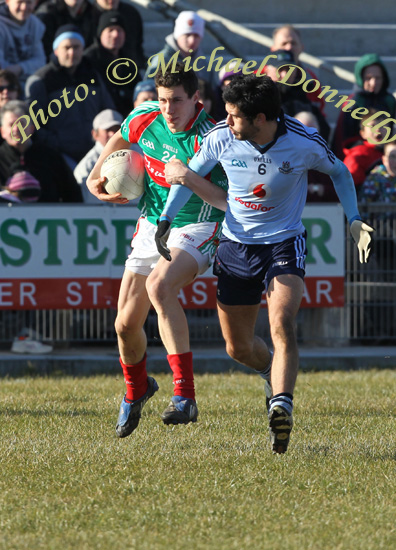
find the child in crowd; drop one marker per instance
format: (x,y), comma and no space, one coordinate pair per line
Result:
(21,187)
(363,157)
(380,184)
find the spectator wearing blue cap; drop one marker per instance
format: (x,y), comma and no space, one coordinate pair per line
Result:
(144,91)
(109,46)
(68,74)
(56,13)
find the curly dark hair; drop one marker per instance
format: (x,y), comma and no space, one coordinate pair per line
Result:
(177,76)
(254,94)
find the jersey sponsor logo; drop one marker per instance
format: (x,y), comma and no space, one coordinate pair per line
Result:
(281,262)
(261,191)
(170,148)
(148,143)
(254,205)
(155,170)
(262,158)
(239,163)
(188,237)
(285,168)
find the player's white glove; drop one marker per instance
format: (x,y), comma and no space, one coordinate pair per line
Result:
(360,232)
(161,236)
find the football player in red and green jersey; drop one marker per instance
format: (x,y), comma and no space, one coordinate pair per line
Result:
(172,127)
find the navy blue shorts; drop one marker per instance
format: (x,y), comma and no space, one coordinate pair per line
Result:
(244,271)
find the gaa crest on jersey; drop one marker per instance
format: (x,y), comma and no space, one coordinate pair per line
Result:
(261,191)
(285,168)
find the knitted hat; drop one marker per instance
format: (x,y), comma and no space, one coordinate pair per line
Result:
(144,86)
(67,31)
(224,74)
(188,22)
(108,19)
(27,187)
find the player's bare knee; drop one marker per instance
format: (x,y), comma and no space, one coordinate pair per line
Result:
(157,289)
(239,351)
(123,329)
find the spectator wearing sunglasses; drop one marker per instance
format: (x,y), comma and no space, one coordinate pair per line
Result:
(9,87)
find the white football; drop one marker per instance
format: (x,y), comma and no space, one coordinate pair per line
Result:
(124,170)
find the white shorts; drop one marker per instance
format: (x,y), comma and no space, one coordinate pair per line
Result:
(200,240)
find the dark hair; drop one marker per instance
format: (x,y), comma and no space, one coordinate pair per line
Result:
(177,76)
(254,94)
(371,112)
(206,92)
(12,79)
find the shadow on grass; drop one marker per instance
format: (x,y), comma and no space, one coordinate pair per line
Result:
(49,413)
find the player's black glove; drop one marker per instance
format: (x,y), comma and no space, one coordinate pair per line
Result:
(161,237)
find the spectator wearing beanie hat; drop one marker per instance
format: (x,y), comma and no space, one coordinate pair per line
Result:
(133,27)
(56,13)
(144,91)
(69,132)
(109,45)
(187,35)
(21,187)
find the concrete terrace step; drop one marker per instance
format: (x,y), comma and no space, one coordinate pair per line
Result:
(290,11)
(319,39)
(89,361)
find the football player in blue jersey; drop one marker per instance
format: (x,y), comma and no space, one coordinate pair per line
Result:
(266,156)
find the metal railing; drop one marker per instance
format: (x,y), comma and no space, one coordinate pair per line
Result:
(368,316)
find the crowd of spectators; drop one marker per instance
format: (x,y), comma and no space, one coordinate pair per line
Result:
(54,56)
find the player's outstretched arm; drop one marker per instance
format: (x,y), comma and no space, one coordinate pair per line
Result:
(95,181)
(345,188)
(176,172)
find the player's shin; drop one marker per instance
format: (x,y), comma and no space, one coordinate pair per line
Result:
(181,365)
(135,377)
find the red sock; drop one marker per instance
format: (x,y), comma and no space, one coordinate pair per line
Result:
(183,378)
(135,377)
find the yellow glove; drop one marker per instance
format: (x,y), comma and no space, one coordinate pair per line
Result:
(360,232)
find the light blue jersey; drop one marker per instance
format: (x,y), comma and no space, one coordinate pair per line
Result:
(267,186)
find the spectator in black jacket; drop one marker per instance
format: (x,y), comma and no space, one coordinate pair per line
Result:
(134,27)
(293,98)
(109,46)
(75,93)
(56,13)
(43,163)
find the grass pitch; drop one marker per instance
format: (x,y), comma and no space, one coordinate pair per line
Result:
(67,482)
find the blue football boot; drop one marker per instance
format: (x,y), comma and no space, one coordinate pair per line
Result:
(180,410)
(130,413)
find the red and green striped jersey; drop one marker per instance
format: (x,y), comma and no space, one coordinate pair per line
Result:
(146,126)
